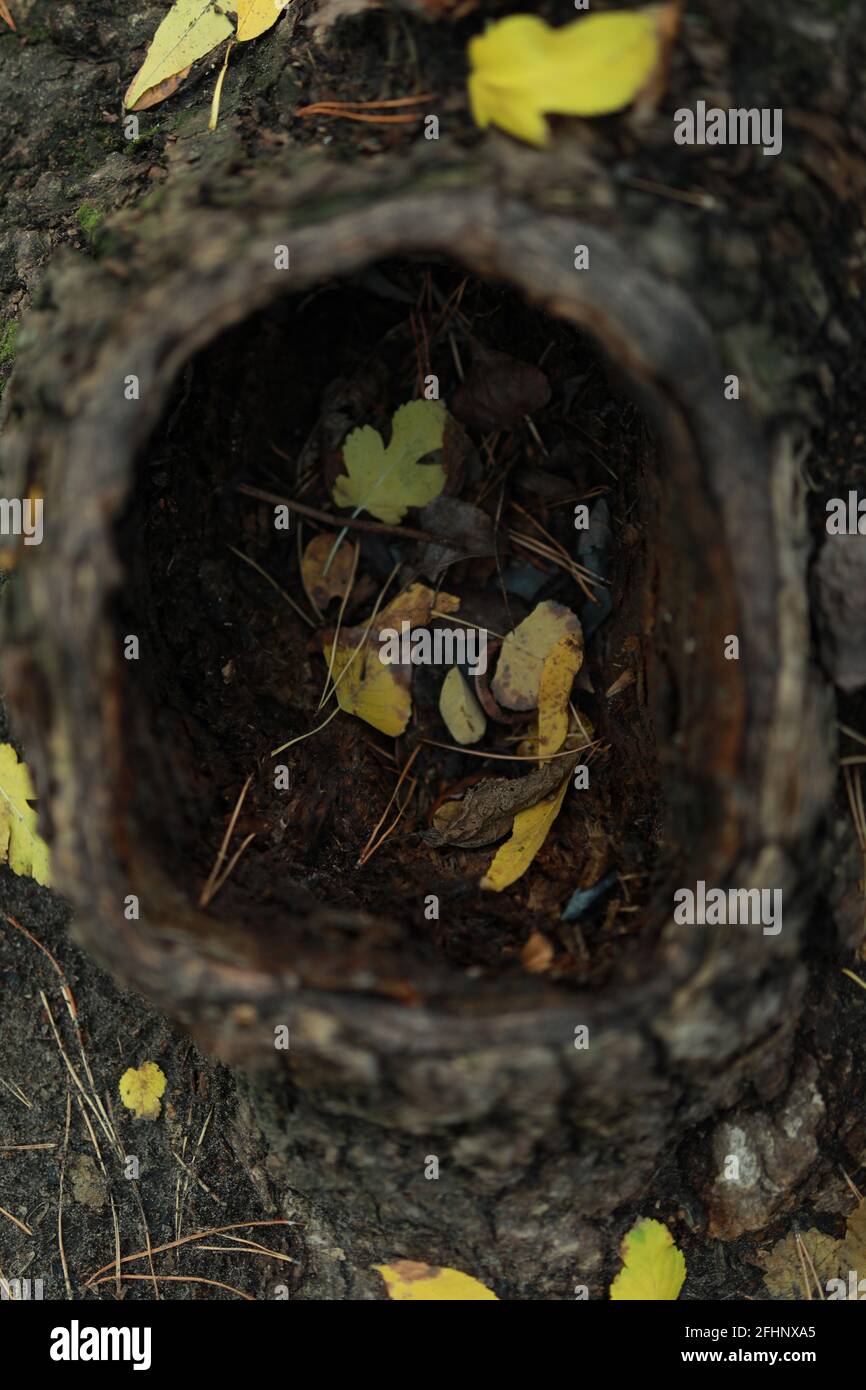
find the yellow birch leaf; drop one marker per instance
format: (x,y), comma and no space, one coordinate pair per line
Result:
(190,30)
(370,689)
(20,844)
(521,69)
(561,665)
(141,1088)
(387,481)
(409,1281)
(255,16)
(528,834)
(653,1267)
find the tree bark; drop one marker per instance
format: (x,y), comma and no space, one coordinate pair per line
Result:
(543,1149)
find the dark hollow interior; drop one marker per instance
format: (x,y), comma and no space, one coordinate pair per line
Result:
(227,671)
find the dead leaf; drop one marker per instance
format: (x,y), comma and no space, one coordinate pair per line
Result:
(530,830)
(320,588)
(460,710)
(154,95)
(499,391)
(783,1264)
(524,651)
(487,810)
(561,665)
(5,15)
(537,954)
(369,689)
(465,531)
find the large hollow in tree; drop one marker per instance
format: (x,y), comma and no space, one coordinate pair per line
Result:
(381,1027)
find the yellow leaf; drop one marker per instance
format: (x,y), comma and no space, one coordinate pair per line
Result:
(408,1281)
(653,1267)
(528,834)
(460,710)
(561,665)
(255,16)
(387,481)
(141,1088)
(375,692)
(521,69)
(524,652)
(20,845)
(190,30)
(414,606)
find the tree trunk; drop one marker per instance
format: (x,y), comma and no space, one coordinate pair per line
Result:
(396,1056)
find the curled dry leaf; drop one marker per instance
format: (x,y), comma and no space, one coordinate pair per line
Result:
(524,652)
(460,710)
(529,832)
(320,588)
(561,665)
(488,809)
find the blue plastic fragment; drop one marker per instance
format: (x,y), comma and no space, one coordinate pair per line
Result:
(582,898)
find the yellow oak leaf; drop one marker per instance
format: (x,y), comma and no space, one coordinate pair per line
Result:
(141,1088)
(190,30)
(20,844)
(409,1281)
(387,481)
(653,1267)
(561,665)
(255,16)
(528,834)
(522,69)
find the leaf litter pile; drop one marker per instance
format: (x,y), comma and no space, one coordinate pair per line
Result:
(387,557)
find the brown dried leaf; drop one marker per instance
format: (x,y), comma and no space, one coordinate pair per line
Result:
(487,810)
(320,588)
(499,391)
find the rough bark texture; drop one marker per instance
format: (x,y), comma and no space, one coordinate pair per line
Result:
(543,1149)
